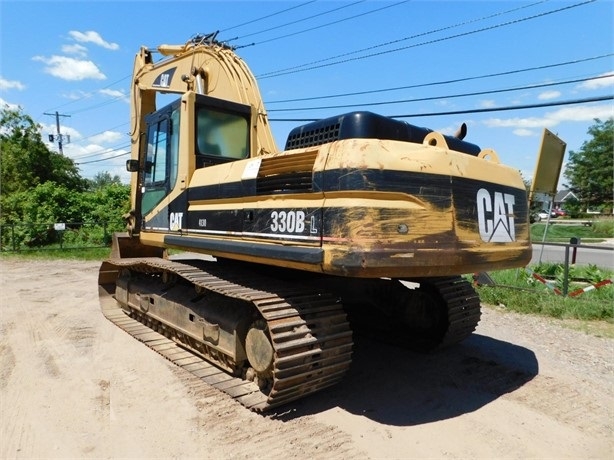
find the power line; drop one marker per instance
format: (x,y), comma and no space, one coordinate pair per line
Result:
(89,94)
(311,29)
(85,138)
(514,107)
(390,42)
(103,159)
(268,29)
(267,16)
(99,105)
(441,29)
(442,82)
(483,110)
(449,96)
(102,152)
(305,67)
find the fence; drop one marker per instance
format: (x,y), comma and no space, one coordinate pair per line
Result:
(24,236)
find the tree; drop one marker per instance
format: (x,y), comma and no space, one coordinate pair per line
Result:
(103,179)
(590,170)
(41,188)
(25,161)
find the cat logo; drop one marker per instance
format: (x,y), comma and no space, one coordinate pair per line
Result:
(164,79)
(496,216)
(175,221)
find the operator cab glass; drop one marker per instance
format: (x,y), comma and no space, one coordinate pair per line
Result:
(160,172)
(222,131)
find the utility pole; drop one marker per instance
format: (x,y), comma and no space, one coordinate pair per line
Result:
(59,136)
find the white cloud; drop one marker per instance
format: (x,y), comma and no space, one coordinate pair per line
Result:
(108,137)
(77,95)
(10,84)
(8,105)
(115,94)
(546,95)
(487,104)
(70,134)
(566,114)
(582,113)
(71,69)
(114,162)
(531,122)
(76,49)
(606,81)
(523,132)
(92,37)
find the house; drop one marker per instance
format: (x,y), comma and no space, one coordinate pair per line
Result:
(561,197)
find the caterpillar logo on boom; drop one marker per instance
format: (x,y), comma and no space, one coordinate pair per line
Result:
(164,79)
(496,216)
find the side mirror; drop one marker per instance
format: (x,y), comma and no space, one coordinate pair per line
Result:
(132,165)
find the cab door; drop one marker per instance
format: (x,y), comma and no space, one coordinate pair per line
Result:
(160,166)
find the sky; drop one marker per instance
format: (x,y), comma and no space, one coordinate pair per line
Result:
(513,68)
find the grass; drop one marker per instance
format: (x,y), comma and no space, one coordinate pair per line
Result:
(592,311)
(599,231)
(55,254)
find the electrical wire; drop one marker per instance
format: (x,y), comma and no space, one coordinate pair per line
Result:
(89,136)
(102,159)
(442,82)
(267,16)
(311,29)
(307,67)
(301,20)
(453,26)
(483,110)
(449,96)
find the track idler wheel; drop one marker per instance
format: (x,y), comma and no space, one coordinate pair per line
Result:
(260,354)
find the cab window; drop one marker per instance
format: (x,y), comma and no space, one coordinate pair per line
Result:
(220,135)
(162,158)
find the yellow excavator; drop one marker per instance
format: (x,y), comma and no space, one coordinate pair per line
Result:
(362,224)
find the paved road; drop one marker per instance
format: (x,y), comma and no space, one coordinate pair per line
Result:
(601,254)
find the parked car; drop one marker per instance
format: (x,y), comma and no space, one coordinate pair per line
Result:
(543,215)
(559,212)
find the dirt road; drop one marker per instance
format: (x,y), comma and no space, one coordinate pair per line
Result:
(74,385)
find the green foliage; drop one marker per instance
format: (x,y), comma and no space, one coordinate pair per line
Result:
(25,161)
(102,180)
(41,188)
(573,208)
(603,228)
(590,170)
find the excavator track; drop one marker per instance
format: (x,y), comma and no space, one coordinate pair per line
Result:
(308,329)
(462,306)
(441,312)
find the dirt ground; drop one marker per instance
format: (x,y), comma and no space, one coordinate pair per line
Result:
(74,385)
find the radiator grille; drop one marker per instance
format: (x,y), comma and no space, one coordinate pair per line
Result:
(286,174)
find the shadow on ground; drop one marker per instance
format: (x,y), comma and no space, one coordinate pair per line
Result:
(397,387)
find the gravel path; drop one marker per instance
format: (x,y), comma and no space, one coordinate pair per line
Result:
(74,385)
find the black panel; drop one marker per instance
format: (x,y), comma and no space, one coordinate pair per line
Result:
(226,221)
(289,253)
(366,125)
